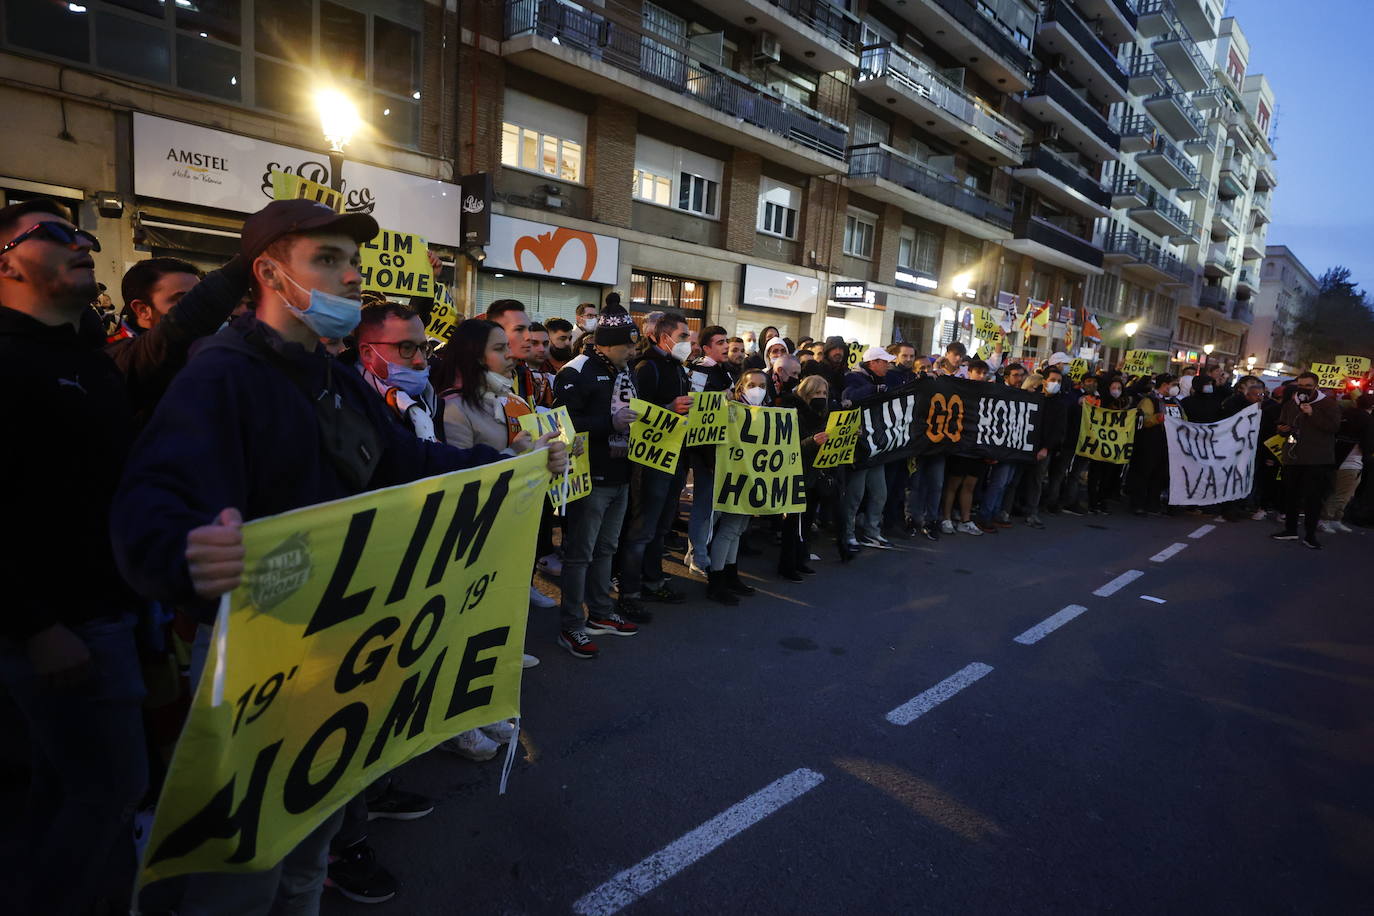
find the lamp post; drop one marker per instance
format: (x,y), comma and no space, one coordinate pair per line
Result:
(1250,362)
(1208,348)
(339,120)
(1130,329)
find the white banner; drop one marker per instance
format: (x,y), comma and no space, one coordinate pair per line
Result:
(552,251)
(212,168)
(1211,463)
(777,289)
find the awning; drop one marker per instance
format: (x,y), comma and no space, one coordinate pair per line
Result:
(165,233)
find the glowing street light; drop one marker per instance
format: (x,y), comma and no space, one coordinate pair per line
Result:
(1250,362)
(1208,348)
(1131,328)
(339,120)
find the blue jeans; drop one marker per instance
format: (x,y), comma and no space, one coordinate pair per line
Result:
(90,770)
(998,479)
(591,533)
(870,482)
(926,492)
(725,544)
(703,498)
(653,508)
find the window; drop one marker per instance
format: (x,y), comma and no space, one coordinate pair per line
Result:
(779,205)
(859,229)
(669,176)
(870,129)
(538,136)
(1235,68)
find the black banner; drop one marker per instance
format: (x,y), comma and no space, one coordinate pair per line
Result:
(952,416)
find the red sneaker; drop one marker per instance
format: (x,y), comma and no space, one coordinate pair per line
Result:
(578,644)
(611,625)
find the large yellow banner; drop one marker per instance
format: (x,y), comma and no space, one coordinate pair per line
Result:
(842,434)
(759,469)
(366,631)
(1107,435)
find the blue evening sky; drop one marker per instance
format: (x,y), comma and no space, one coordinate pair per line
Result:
(1315,57)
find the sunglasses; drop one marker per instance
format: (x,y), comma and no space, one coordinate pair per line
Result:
(61,233)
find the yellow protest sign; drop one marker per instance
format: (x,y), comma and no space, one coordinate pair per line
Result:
(397,262)
(842,434)
(1078,370)
(1106,435)
(856,352)
(366,631)
(759,469)
(578,482)
(1353,365)
(291,187)
(706,419)
(1329,375)
(443,313)
(989,329)
(656,436)
(1139,362)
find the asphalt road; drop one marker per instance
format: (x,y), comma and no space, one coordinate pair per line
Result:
(1210,753)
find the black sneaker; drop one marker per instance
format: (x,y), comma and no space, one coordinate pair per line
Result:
(633,611)
(662,593)
(399,805)
(355,874)
(931,532)
(1311,543)
(1284,536)
(578,644)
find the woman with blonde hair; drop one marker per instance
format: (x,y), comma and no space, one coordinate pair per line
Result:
(723,583)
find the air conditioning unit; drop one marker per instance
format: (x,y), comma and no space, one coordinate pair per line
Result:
(767,48)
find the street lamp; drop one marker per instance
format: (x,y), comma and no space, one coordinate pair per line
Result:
(1208,348)
(1130,329)
(1250,362)
(339,120)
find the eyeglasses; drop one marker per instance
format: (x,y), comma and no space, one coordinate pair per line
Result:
(61,233)
(406,349)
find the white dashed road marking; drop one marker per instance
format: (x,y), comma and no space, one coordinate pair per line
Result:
(923,703)
(1203,531)
(638,880)
(1154,599)
(1117,584)
(1168,552)
(1049,625)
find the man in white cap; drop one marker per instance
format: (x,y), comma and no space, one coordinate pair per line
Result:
(1061,360)
(867,381)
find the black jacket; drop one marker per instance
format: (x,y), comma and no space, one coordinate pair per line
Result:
(585,386)
(659,378)
(1204,408)
(235,430)
(67,427)
(808,424)
(718,377)
(1054,422)
(834,376)
(150,359)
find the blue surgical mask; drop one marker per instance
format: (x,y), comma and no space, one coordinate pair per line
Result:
(328,315)
(412,381)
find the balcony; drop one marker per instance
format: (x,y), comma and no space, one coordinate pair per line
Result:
(1243,310)
(816,31)
(1207,143)
(1048,242)
(1179,53)
(1059,180)
(1148,75)
(1225,220)
(1247,280)
(896,79)
(1218,261)
(1138,133)
(1253,248)
(882,172)
(1176,113)
(1234,178)
(594,52)
(1163,218)
(1259,208)
(1116,18)
(974,39)
(1212,297)
(1265,179)
(1087,130)
(1146,261)
(1128,191)
(1092,63)
(1168,164)
(1198,190)
(1199,17)
(1208,99)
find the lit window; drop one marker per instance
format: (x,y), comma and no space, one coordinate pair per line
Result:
(669,176)
(655,189)
(527,149)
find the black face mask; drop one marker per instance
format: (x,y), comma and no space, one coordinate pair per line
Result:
(562,354)
(819,405)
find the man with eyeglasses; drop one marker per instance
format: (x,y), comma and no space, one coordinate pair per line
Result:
(67,651)
(393,357)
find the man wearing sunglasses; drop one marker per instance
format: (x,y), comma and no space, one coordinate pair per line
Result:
(67,653)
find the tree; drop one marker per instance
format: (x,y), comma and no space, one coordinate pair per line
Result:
(1338,320)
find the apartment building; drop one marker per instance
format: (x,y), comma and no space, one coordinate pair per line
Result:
(1287,288)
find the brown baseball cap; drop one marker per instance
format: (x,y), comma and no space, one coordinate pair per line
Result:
(290,217)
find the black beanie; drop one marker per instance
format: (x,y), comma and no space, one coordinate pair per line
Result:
(613,327)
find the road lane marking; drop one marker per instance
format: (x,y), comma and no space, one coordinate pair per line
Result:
(1203,531)
(1117,584)
(638,880)
(1049,625)
(1154,599)
(924,702)
(1168,552)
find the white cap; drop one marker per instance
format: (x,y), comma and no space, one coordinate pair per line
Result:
(873,353)
(1059,359)
(775,342)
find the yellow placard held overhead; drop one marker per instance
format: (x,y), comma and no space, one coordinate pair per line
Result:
(291,187)
(842,434)
(759,469)
(1107,435)
(397,262)
(366,631)
(443,313)
(1078,370)
(1329,375)
(578,482)
(1353,366)
(656,436)
(706,420)
(1139,362)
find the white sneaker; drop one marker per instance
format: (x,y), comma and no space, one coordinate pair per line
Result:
(814,558)
(947,527)
(1259,516)
(528,661)
(472,744)
(852,544)
(969,528)
(1325,527)
(695,570)
(539,599)
(500,732)
(1342,528)
(550,565)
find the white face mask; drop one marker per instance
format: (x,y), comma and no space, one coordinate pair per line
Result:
(754,396)
(1171,391)
(681,350)
(1051,388)
(589,324)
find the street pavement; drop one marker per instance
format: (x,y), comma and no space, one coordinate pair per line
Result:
(1210,750)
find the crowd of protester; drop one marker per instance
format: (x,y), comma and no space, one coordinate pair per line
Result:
(140,448)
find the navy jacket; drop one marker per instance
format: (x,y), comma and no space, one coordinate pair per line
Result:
(861,384)
(234,430)
(585,386)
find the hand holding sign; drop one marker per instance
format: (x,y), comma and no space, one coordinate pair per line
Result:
(214,555)
(656,436)
(706,419)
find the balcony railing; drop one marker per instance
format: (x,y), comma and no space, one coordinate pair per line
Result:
(988,32)
(1048,233)
(1047,160)
(654,58)
(1176,156)
(1212,297)
(1260,202)
(1143,251)
(1180,34)
(1243,310)
(1219,255)
(877,160)
(826,18)
(1157,201)
(1247,276)
(1173,92)
(884,60)
(1061,13)
(1226,209)
(1049,84)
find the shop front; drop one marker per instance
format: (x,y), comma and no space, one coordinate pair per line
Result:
(856,311)
(776,298)
(551,269)
(651,291)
